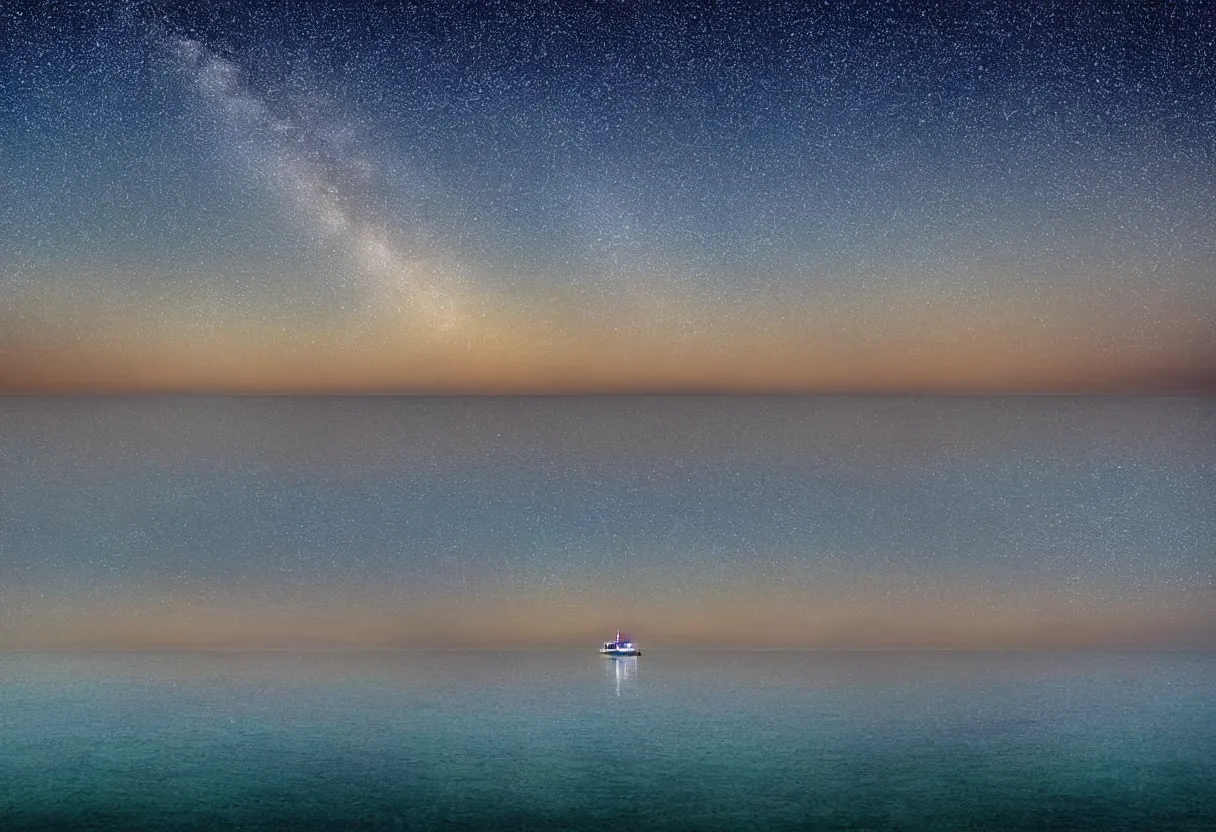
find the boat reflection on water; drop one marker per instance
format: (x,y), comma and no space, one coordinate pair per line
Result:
(623,672)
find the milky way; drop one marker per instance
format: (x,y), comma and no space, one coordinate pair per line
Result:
(311,164)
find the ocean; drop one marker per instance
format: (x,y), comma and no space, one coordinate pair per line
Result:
(565,739)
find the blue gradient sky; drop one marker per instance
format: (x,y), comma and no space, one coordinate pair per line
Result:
(823,522)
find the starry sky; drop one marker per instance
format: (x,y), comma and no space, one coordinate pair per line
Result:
(607,197)
(293,297)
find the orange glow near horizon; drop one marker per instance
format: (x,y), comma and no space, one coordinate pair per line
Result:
(744,617)
(678,348)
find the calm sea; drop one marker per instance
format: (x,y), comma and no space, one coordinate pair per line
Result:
(567,740)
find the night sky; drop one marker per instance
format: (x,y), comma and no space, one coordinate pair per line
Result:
(607,196)
(538,199)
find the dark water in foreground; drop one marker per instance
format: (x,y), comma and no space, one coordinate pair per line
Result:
(566,740)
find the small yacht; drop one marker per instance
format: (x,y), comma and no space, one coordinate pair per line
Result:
(623,646)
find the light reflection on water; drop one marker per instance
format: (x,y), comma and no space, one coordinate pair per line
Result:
(623,673)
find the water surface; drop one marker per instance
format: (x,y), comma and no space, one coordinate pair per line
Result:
(568,740)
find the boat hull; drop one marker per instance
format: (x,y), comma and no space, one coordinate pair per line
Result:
(619,654)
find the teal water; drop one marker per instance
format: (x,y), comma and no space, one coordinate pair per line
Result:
(567,740)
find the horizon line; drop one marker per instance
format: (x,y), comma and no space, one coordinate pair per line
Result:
(1199,392)
(674,648)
